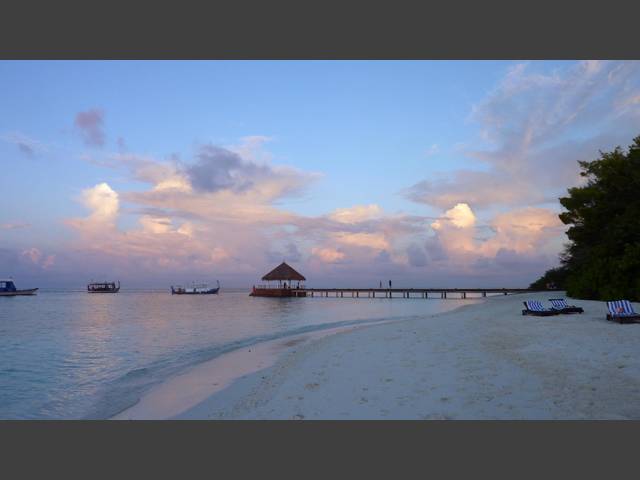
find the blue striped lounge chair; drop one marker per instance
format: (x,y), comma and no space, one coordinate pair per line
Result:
(622,311)
(534,307)
(560,304)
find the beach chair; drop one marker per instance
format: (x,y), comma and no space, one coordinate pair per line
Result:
(622,311)
(534,307)
(561,306)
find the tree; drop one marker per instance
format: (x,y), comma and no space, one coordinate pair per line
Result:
(602,259)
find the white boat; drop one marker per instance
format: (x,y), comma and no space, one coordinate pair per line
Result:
(195,289)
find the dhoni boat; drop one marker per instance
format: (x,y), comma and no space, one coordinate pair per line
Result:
(103,287)
(8,289)
(195,289)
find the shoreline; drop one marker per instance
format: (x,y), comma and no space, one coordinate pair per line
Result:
(179,393)
(480,361)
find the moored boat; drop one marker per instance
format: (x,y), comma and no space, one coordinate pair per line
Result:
(8,289)
(103,287)
(195,289)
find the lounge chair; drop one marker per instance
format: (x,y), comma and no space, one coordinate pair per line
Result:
(534,307)
(561,306)
(622,311)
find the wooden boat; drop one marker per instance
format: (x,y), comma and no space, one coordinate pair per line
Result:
(199,289)
(103,287)
(8,289)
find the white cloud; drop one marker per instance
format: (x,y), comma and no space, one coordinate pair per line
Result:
(355,214)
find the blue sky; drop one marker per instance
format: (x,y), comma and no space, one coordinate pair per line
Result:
(371,130)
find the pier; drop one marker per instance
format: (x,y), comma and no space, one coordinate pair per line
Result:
(403,292)
(285,276)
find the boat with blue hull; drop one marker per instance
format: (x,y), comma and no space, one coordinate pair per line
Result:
(8,289)
(195,289)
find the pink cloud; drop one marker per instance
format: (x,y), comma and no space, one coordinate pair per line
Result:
(90,124)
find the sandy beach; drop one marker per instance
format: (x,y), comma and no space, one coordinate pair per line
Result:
(481,361)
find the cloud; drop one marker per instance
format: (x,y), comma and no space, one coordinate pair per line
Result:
(376,241)
(355,214)
(478,188)
(27,145)
(157,224)
(524,237)
(103,201)
(91,126)
(327,255)
(14,226)
(416,256)
(220,209)
(217,169)
(32,254)
(532,130)
(432,150)
(104,205)
(37,258)
(216,211)
(460,216)
(289,253)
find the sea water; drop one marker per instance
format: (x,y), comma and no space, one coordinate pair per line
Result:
(71,354)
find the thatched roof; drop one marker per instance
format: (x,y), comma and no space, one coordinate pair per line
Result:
(283,272)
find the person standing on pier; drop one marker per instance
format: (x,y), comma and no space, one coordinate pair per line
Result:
(389,284)
(380,284)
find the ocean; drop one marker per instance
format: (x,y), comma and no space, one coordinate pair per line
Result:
(74,355)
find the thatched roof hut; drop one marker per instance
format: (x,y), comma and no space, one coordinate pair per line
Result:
(283,272)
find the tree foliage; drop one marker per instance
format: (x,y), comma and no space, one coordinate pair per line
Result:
(602,259)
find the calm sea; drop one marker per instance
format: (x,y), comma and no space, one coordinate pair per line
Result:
(70,354)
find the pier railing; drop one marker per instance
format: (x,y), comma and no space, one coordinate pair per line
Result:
(408,292)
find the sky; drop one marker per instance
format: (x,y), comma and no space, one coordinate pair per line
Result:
(428,173)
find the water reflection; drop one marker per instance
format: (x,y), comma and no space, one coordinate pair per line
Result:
(74,354)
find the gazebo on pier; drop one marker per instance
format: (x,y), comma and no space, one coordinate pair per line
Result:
(285,275)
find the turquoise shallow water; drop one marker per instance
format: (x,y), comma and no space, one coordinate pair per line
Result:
(70,354)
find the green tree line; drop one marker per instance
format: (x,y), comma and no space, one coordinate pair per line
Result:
(602,259)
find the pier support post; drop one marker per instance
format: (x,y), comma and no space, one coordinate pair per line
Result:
(374,294)
(357,294)
(484,294)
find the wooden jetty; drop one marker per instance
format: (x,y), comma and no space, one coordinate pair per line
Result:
(403,292)
(284,275)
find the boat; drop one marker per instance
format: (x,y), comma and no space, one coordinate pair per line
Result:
(103,287)
(8,289)
(195,289)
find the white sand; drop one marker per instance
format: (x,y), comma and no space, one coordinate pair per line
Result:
(483,361)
